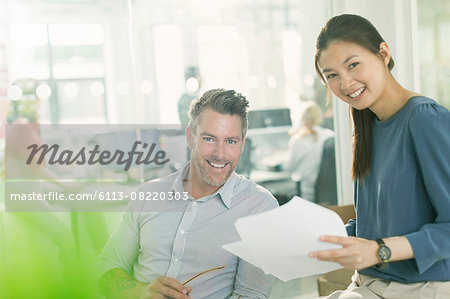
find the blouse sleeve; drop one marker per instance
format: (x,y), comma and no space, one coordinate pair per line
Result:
(430,131)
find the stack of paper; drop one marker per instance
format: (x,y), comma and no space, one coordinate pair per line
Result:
(278,241)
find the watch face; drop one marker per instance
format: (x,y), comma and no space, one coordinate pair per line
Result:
(384,253)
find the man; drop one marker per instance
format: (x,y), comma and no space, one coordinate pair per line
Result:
(153,253)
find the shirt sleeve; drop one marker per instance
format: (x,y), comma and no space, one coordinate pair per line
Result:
(251,282)
(430,127)
(123,246)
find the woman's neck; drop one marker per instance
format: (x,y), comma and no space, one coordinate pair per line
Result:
(392,100)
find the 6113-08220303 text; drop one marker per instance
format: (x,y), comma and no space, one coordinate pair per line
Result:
(100,195)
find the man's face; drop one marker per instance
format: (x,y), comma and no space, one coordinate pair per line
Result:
(216,147)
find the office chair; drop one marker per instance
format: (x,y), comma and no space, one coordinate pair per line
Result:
(325,188)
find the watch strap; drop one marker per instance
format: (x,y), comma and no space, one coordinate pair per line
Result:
(380,242)
(383,262)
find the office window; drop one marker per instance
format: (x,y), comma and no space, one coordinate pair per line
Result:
(76,50)
(433,42)
(28,55)
(68,59)
(223,48)
(169,70)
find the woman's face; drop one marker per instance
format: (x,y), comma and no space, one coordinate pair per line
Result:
(354,74)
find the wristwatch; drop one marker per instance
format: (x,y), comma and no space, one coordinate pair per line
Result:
(384,254)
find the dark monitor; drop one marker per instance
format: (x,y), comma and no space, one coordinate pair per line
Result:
(269,118)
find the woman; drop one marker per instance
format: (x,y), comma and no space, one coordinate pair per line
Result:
(305,150)
(400,241)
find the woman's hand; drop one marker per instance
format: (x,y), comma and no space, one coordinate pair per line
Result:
(356,253)
(359,253)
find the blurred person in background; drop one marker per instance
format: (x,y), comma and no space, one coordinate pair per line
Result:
(305,150)
(192,84)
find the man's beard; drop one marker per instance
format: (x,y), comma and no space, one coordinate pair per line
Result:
(207,178)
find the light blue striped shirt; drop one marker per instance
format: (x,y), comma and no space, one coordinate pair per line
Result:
(182,238)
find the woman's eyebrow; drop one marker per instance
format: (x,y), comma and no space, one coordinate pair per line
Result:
(345,61)
(348,58)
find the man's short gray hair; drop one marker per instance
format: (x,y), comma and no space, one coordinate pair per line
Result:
(222,101)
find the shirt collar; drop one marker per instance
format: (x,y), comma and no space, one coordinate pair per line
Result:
(178,183)
(225,192)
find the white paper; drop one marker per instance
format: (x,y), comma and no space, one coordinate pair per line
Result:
(278,241)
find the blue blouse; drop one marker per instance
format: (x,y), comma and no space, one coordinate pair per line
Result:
(407,192)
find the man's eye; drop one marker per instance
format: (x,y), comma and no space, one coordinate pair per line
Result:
(208,139)
(330,76)
(231,141)
(353,65)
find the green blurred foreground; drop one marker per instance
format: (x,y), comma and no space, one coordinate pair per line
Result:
(51,255)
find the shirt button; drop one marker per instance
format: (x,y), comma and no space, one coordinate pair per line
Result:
(175,260)
(195,203)
(182,231)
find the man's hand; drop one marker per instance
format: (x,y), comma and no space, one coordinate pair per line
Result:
(164,287)
(117,283)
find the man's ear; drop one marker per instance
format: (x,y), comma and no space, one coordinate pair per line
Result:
(385,53)
(189,137)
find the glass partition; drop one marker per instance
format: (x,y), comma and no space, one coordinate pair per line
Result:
(433,44)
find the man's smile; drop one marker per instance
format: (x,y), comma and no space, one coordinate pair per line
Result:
(218,165)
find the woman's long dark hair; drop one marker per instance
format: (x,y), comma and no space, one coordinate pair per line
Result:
(358,30)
